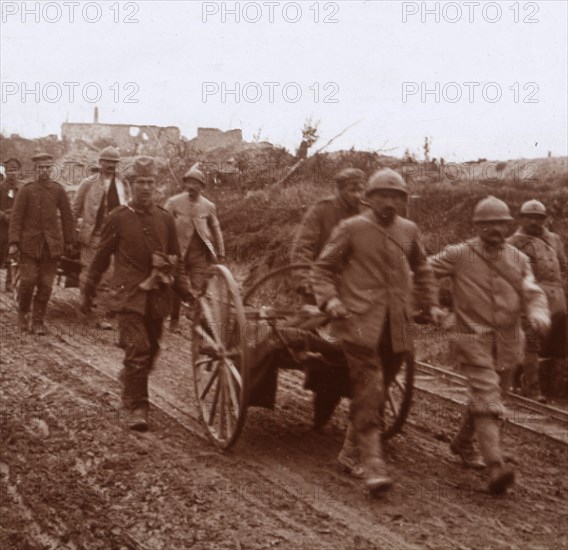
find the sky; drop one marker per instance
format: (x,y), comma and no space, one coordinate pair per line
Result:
(480,79)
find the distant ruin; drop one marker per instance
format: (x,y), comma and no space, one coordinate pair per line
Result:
(213,138)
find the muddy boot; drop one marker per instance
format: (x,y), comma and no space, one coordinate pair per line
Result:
(138,420)
(530,378)
(500,477)
(134,398)
(348,459)
(376,477)
(23,322)
(462,444)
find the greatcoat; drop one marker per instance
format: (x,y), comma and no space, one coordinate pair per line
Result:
(199,217)
(375,270)
(488,306)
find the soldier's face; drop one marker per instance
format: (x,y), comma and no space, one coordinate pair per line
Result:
(387,203)
(352,192)
(533,224)
(143,191)
(44,171)
(12,173)
(193,188)
(493,232)
(108,167)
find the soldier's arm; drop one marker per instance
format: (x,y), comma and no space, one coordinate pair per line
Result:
(425,285)
(17,217)
(110,235)
(444,262)
(67,220)
(217,233)
(535,300)
(329,262)
(303,248)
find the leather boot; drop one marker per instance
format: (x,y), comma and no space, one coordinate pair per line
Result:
(348,458)
(376,477)
(500,477)
(530,378)
(463,446)
(23,322)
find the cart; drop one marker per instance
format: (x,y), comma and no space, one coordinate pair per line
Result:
(240,342)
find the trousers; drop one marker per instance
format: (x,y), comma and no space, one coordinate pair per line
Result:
(36,272)
(139,337)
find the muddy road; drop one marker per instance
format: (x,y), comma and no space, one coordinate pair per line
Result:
(73,477)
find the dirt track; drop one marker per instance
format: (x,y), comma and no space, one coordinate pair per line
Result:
(73,477)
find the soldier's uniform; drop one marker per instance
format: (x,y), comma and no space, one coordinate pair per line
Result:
(312,235)
(373,269)
(41,225)
(492,288)
(132,235)
(550,267)
(8,191)
(200,237)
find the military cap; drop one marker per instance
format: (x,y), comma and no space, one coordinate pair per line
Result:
(386,179)
(12,161)
(194,174)
(144,167)
(110,153)
(43,158)
(533,208)
(349,174)
(491,209)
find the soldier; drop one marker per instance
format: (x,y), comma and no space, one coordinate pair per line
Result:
(493,286)
(143,239)
(199,232)
(548,261)
(363,279)
(97,196)
(8,190)
(35,233)
(316,227)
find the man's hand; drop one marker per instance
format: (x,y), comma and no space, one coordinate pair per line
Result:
(540,322)
(13,249)
(335,309)
(438,315)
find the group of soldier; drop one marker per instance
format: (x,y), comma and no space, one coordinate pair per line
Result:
(369,274)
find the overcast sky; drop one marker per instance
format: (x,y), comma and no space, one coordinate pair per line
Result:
(179,58)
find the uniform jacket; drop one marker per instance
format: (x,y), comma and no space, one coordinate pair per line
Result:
(131,235)
(88,200)
(41,213)
(373,270)
(7,199)
(488,308)
(548,262)
(198,217)
(317,226)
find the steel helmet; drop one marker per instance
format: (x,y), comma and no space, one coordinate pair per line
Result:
(349,174)
(491,209)
(110,153)
(194,174)
(386,179)
(533,207)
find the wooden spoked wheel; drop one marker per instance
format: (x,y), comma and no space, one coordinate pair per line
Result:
(398,398)
(219,358)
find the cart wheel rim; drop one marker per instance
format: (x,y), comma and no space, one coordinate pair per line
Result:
(219,358)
